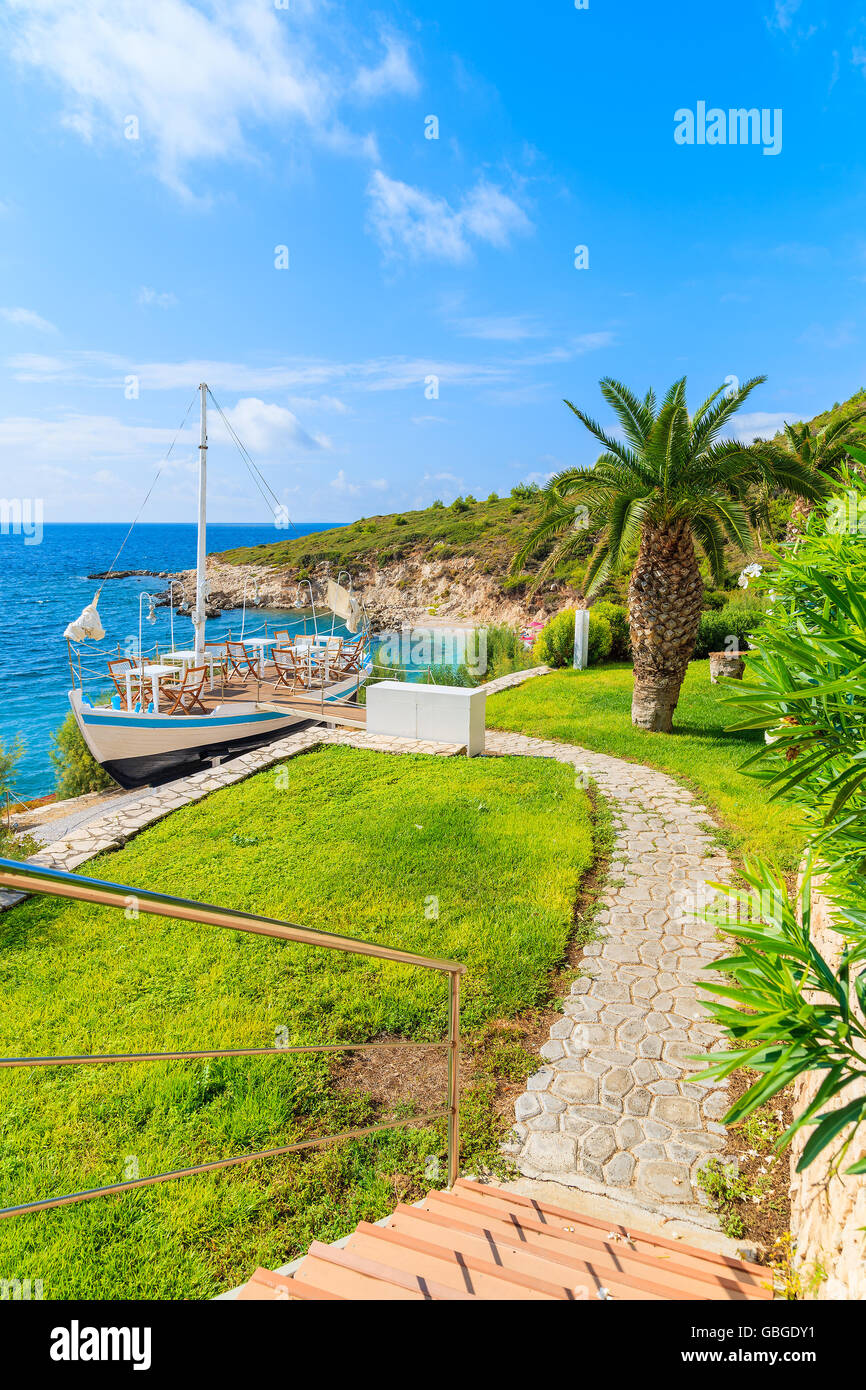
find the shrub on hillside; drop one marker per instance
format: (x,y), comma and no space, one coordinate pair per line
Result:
(715,600)
(617,616)
(717,631)
(600,642)
(76,771)
(554,645)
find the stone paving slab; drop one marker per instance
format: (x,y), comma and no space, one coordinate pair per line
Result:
(615,1110)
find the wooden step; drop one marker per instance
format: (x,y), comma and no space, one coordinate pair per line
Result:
(590,1275)
(482,1242)
(458,1268)
(602,1252)
(341,1270)
(553,1271)
(265,1284)
(706,1266)
(691,1255)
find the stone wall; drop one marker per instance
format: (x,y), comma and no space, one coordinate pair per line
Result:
(828,1214)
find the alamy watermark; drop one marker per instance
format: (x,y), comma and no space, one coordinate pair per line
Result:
(21,1290)
(422,646)
(22,516)
(737,126)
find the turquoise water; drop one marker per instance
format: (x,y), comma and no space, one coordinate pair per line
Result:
(44,586)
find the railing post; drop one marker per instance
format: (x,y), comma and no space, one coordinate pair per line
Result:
(454,1080)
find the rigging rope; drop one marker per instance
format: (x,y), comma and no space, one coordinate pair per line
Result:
(110,569)
(273,503)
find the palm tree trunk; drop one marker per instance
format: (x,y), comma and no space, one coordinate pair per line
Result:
(664,603)
(800,513)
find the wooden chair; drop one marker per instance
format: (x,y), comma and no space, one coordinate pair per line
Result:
(283,636)
(291,669)
(241,663)
(186,694)
(352,656)
(221,660)
(117,670)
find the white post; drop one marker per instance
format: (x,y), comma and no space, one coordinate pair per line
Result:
(198,616)
(581,639)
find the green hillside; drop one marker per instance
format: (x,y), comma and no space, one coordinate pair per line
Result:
(487,532)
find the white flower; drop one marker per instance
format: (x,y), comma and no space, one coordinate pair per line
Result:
(750,572)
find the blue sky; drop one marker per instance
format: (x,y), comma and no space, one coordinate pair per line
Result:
(258,127)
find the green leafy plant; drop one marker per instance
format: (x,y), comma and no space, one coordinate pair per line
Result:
(790,1011)
(11,753)
(617,617)
(76,771)
(600,640)
(715,630)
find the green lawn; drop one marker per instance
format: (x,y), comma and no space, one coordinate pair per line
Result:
(341,839)
(593,708)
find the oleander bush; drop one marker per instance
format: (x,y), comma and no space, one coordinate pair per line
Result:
(789,1011)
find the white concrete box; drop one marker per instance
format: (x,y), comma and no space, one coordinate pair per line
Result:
(433,713)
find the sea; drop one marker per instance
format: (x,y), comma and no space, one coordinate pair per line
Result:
(44,586)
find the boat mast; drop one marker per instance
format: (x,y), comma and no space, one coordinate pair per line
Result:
(198,616)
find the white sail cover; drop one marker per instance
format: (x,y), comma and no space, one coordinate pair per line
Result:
(341,602)
(87,626)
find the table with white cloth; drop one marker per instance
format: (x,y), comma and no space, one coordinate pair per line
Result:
(187,659)
(152,673)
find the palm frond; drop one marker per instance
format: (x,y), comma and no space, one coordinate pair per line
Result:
(633,415)
(613,446)
(711,539)
(717,415)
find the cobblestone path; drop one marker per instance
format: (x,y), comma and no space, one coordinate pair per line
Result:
(614,1109)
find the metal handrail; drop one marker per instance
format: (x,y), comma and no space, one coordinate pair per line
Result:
(38,878)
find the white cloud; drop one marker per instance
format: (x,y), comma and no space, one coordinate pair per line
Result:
(198,77)
(78,438)
(26,318)
(783,13)
(162,299)
(330,403)
(590,342)
(266,429)
(394,74)
(342,485)
(345,488)
(426,226)
(502,328)
(375,374)
(759,424)
(491,215)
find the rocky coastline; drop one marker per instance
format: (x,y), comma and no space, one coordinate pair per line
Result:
(411,591)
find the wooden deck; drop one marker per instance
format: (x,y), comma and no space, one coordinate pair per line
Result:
(307,703)
(481,1242)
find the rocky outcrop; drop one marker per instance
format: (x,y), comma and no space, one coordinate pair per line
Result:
(412,590)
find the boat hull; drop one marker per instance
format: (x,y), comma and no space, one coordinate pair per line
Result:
(139,750)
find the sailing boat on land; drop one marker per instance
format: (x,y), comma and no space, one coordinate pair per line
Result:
(188,710)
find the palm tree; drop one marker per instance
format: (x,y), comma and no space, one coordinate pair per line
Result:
(672,484)
(823,451)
